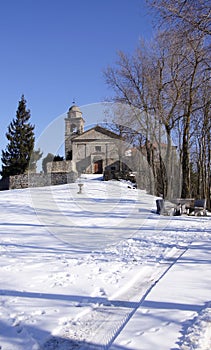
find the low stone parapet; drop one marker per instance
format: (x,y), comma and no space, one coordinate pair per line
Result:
(64,166)
(41,180)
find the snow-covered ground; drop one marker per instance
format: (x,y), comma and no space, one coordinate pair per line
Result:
(101,270)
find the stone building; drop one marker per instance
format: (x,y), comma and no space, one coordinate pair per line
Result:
(93,150)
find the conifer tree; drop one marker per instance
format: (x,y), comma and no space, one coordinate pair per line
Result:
(20,135)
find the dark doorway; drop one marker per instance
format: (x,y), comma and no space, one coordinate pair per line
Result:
(98,166)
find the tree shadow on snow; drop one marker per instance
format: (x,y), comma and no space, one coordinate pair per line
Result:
(81,300)
(151,304)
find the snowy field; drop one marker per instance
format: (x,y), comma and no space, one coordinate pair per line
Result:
(101,270)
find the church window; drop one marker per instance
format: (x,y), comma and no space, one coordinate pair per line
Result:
(98,148)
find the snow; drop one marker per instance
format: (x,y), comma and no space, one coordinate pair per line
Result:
(101,270)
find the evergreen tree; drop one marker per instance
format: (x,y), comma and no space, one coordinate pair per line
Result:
(58,158)
(16,157)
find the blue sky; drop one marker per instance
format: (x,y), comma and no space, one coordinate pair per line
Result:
(53,51)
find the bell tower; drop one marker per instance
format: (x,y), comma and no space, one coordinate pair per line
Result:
(74,125)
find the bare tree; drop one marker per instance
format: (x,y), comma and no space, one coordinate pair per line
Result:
(189,15)
(145,82)
(166,83)
(201,144)
(191,22)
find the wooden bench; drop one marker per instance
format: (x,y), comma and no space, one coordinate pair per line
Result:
(165,207)
(198,208)
(181,206)
(184,203)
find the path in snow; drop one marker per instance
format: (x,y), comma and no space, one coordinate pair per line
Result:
(64,290)
(103,323)
(177,309)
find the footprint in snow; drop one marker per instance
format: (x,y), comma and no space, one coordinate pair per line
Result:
(154,330)
(139,333)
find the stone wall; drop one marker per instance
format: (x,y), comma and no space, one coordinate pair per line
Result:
(65,166)
(39,180)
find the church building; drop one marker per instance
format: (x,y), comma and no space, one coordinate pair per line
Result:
(92,151)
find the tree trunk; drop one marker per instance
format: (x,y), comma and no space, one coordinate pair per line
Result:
(186,159)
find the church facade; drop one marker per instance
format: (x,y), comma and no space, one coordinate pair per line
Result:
(91,151)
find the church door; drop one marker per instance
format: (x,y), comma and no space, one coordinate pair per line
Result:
(98,166)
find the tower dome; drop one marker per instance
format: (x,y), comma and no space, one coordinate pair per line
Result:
(74,108)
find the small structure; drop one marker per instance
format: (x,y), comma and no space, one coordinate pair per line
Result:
(160,206)
(80,188)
